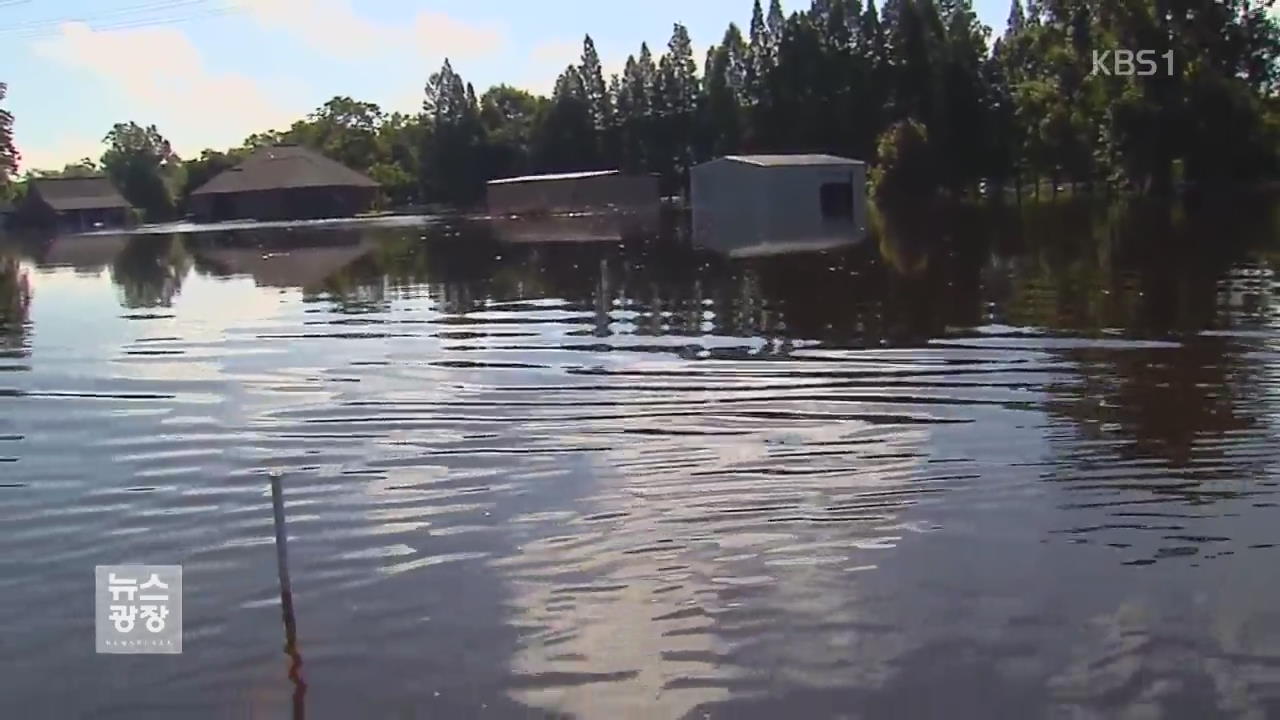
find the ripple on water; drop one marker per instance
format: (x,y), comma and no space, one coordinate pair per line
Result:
(538,481)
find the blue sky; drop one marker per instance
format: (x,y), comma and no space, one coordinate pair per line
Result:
(210,72)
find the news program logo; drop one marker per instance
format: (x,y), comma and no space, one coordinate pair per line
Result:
(1128,63)
(139,609)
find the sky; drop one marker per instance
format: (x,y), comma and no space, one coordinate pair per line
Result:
(209,73)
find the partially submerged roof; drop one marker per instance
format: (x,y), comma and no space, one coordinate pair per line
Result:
(554,176)
(284,166)
(792,160)
(82,193)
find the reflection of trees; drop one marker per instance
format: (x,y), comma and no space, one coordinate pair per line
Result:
(661,286)
(358,287)
(1063,266)
(14,301)
(1159,401)
(1151,271)
(149,271)
(1146,267)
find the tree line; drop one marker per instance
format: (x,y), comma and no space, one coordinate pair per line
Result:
(919,87)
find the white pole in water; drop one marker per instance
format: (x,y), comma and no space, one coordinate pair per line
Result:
(286,599)
(282,554)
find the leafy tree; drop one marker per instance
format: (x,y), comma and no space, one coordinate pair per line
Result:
(399,140)
(142,164)
(204,168)
(82,168)
(342,129)
(904,163)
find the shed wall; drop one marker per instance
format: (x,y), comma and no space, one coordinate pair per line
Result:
(572,194)
(738,205)
(283,203)
(728,200)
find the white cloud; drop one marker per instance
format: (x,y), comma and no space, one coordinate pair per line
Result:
(547,60)
(55,155)
(190,104)
(333,27)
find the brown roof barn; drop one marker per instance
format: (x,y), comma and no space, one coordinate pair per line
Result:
(284,182)
(74,204)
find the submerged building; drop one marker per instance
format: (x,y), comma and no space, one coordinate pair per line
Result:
(74,204)
(571,192)
(757,201)
(284,182)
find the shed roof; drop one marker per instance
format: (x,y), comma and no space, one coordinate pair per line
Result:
(81,193)
(792,160)
(284,166)
(553,176)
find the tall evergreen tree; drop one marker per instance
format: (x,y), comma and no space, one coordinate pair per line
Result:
(597,93)
(9,156)
(452,167)
(1017,19)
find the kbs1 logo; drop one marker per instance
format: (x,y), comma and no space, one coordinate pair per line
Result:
(1127,63)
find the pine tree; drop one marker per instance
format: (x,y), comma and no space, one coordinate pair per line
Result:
(597,93)
(9,156)
(1017,19)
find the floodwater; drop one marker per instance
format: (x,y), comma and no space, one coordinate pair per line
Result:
(980,465)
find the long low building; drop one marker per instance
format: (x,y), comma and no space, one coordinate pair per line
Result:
(284,182)
(571,192)
(73,204)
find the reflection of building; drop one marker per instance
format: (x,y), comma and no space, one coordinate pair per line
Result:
(758,200)
(734,240)
(87,254)
(577,228)
(15,301)
(284,182)
(571,192)
(286,265)
(74,204)
(6,212)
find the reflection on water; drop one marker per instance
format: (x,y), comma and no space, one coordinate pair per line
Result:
(982,463)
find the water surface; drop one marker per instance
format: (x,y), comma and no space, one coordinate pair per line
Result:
(988,464)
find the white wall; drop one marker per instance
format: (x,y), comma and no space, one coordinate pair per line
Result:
(737,205)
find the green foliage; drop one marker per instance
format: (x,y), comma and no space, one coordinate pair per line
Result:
(905,165)
(9,156)
(210,163)
(917,85)
(141,163)
(452,153)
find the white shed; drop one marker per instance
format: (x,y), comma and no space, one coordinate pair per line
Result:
(742,201)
